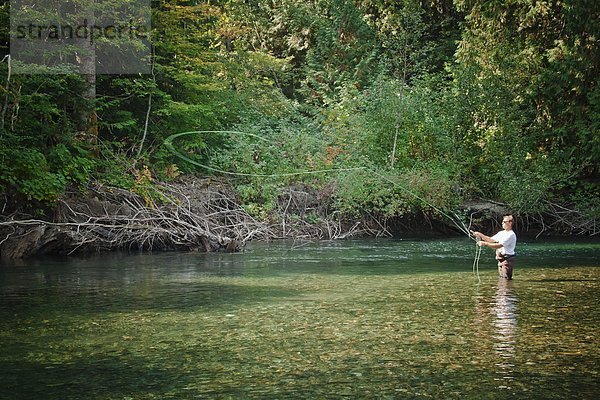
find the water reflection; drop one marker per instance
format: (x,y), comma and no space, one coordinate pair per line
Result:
(505,330)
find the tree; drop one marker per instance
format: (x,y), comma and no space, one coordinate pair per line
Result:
(528,70)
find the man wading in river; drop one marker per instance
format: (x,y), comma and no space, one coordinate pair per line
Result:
(504,242)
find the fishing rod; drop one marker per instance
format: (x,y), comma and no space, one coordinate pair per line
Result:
(460,225)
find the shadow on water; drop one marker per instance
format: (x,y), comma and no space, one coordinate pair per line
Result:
(123,283)
(104,376)
(186,281)
(152,297)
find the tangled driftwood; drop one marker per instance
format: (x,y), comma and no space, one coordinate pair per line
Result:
(302,212)
(193,214)
(555,218)
(565,220)
(165,217)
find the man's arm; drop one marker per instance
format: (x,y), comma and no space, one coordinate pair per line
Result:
(492,245)
(483,237)
(487,241)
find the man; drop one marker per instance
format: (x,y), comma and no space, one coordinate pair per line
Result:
(504,243)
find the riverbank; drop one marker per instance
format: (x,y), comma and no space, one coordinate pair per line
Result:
(207,215)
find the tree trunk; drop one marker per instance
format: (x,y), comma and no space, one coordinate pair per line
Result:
(87,118)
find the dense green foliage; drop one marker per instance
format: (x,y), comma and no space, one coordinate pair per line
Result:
(453,100)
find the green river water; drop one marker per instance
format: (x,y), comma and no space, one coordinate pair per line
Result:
(359,319)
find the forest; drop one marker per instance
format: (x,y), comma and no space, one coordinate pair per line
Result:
(412,111)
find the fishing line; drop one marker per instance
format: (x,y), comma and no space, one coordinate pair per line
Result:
(476,259)
(460,225)
(169,145)
(455,220)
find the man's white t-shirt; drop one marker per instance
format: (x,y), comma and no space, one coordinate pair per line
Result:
(508,240)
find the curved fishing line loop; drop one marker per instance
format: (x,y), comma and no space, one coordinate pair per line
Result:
(169,145)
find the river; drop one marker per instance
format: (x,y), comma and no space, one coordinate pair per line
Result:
(317,320)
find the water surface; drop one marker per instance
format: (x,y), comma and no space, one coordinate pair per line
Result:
(346,319)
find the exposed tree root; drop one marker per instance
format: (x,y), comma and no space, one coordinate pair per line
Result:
(197,215)
(165,217)
(556,219)
(304,213)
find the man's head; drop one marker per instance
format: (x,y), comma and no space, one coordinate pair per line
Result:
(508,221)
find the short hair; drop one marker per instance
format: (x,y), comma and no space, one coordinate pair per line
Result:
(512,219)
